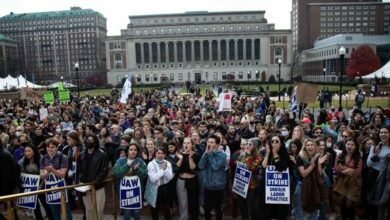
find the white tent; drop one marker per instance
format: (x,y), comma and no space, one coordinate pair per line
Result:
(382,72)
(65,84)
(19,82)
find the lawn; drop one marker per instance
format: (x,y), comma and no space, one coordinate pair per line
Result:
(107,92)
(275,87)
(203,89)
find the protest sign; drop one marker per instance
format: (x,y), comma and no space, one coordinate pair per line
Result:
(64,95)
(29,183)
(52,181)
(277,186)
(225,102)
(242,178)
(130,193)
(43,113)
(48,97)
(74,171)
(307,93)
(30,94)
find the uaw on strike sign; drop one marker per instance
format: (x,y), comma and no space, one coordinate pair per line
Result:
(277,186)
(241,181)
(29,183)
(130,193)
(54,197)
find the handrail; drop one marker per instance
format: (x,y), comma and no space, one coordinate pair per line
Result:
(9,198)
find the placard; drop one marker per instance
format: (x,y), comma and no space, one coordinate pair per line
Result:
(29,183)
(241,181)
(48,97)
(130,193)
(225,102)
(64,95)
(30,94)
(277,186)
(52,181)
(43,113)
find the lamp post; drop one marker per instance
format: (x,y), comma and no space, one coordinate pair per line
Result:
(247,77)
(342,54)
(324,70)
(76,66)
(279,63)
(62,80)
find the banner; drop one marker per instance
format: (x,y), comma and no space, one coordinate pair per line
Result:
(130,193)
(126,90)
(52,181)
(241,181)
(29,183)
(30,94)
(277,186)
(307,93)
(225,102)
(48,97)
(294,101)
(64,95)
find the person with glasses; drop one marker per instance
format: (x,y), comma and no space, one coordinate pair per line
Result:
(93,167)
(276,155)
(317,132)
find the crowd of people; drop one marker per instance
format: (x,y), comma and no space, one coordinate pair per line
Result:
(185,153)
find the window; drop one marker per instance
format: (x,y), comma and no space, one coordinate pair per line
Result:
(147,77)
(172,77)
(155,77)
(240,75)
(278,39)
(180,76)
(215,76)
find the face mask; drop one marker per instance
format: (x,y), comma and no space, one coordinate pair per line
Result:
(335,121)
(58,130)
(285,133)
(267,121)
(90,145)
(18,133)
(328,145)
(159,161)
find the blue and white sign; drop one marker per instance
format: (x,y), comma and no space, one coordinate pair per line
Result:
(241,181)
(74,171)
(277,186)
(52,181)
(29,183)
(130,193)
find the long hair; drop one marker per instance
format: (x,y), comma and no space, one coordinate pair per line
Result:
(355,154)
(36,157)
(303,153)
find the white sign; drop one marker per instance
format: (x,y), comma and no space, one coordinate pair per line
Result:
(126,90)
(225,102)
(277,186)
(242,178)
(29,183)
(130,193)
(43,113)
(54,197)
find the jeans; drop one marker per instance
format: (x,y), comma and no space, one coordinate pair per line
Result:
(127,213)
(56,212)
(298,211)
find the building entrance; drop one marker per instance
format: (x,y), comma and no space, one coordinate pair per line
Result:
(198,78)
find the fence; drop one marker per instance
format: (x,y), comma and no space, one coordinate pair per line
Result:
(9,198)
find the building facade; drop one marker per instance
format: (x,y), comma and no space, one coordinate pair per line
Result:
(325,55)
(50,43)
(199,47)
(313,20)
(8,56)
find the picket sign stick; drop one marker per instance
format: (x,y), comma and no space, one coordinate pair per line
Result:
(63,205)
(10,211)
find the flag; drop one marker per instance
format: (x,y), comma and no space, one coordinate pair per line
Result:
(294,101)
(126,90)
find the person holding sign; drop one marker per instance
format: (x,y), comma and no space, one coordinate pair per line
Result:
(252,160)
(276,155)
(29,164)
(53,167)
(310,167)
(213,162)
(93,167)
(157,187)
(132,165)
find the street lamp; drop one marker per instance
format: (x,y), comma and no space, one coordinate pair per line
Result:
(76,66)
(62,80)
(342,54)
(280,63)
(247,77)
(324,70)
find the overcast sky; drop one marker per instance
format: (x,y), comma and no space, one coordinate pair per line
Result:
(117,11)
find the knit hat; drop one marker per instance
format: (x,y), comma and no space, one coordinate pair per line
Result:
(255,142)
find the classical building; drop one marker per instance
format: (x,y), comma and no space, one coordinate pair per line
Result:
(8,56)
(322,63)
(199,46)
(50,43)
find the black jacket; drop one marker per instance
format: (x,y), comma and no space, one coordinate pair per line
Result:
(93,167)
(9,174)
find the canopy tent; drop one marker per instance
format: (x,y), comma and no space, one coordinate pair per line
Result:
(16,82)
(65,84)
(382,72)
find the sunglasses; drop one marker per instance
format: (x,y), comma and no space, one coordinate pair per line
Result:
(345,136)
(275,142)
